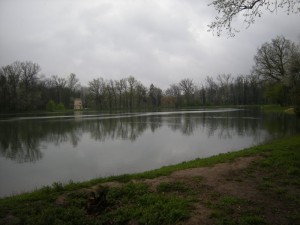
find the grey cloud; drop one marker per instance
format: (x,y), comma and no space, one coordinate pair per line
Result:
(158,42)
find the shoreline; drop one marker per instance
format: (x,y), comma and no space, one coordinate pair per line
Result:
(177,193)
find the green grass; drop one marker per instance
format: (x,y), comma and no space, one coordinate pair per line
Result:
(230,210)
(277,109)
(132,202)
(171,202)
(135,202)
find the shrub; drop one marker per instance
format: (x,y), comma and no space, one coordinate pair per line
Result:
(60,107)
(51,106)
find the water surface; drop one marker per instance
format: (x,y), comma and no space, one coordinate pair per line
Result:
(37,151)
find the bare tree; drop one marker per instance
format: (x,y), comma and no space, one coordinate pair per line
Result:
(224,85)
(113,94)
(73,83)
(11,75)
(249,9)
(132,83)
(188,87)
(155,95)
(29,78)
(141,93)
(29,73)
(175,92)
(211,90)
(59,84)
(97,89)
(119,84)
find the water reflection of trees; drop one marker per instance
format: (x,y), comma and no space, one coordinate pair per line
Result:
(23,140)
(117,128)
(239,123)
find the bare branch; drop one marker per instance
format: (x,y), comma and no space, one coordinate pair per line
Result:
(249,9)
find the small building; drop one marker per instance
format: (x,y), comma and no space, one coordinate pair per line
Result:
(78,103)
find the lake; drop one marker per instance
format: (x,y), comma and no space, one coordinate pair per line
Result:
(40,150)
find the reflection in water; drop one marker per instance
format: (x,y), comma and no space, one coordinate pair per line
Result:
(81,147)
(23,140)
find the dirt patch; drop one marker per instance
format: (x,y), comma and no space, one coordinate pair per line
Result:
(220,178)
(212,176)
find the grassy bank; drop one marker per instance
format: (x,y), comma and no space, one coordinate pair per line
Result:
(133,199)
(278,109)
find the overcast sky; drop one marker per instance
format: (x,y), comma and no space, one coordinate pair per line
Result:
(156,41)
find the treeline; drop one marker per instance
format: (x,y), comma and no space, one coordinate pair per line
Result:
(224,90)
(22,88)
(275,78)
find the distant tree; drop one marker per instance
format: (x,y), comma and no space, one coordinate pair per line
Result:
(72,89)
(202,95)
(19,82)
(73,84)
(97,90)
(188,87)
(249,9)
(119,90)
(224,81)
(59,84)
(28,85)
(111,92)
(155,95)
(174,91)
(168,101)
(131,84)
(141,95)
(211,91)
(3,92)
(11,77)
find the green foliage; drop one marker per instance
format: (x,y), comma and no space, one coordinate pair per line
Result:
(60,107)
(276,93)
(51,106)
